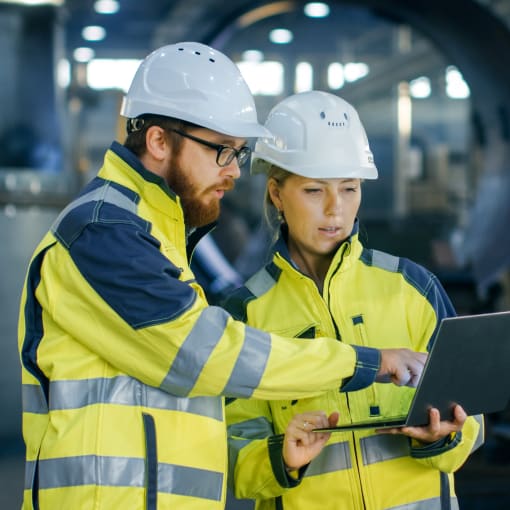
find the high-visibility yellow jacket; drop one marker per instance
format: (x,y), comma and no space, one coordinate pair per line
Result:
(373,299)
(124,363)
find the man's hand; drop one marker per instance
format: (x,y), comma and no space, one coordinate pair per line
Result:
(436,428)
(301,444)
(402,367)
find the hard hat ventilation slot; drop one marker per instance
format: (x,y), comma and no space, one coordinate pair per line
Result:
(339,123)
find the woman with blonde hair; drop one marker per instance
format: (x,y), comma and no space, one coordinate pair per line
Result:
(323,281)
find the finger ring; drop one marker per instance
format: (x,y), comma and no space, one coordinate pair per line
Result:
(305,424)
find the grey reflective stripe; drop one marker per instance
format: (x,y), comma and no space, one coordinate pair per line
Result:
(481,433)
(121,390)
(126,472)
(260,283)
(242,434)
(257,428)
(250,364)
(380,447)
(29,473)
(187,481)
(426,504)
(195,351)
(234,447)
(385,260)
(33,399)
(105,193)
(334,457)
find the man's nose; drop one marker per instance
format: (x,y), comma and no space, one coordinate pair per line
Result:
(232,170)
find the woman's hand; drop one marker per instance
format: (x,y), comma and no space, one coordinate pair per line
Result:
(301,444)
(435,430)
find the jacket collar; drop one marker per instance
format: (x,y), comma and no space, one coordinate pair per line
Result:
(135,164)
(152,187)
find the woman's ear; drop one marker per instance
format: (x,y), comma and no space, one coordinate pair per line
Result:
(156,143)
(273,188)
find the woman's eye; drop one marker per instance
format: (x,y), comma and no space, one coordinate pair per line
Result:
(312,190)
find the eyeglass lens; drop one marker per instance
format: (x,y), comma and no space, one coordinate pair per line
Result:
(227,154)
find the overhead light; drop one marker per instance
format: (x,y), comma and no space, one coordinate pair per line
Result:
(280,36)
(355,70)
(336,78)
(456,87)
(304,77)
(316,9)
(253,56)
(106,6)
(263,78)
(63,73)
(83,54)
(93,33)
(420,87)
(111,73)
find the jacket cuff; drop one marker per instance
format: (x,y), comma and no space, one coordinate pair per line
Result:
(423,451)
(368,362)
(275,447)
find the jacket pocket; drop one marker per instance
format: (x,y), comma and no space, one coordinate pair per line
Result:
(303,330)
(151,462)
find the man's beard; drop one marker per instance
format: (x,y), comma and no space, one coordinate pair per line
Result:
(197,213)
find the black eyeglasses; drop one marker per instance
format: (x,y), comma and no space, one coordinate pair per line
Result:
(224,153)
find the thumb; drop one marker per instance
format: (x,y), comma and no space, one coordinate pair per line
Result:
(333,418)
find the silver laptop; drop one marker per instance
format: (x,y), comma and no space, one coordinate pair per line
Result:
(469,364)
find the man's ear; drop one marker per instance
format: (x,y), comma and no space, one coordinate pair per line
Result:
(156,143)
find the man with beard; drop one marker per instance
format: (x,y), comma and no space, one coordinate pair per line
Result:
(124,363)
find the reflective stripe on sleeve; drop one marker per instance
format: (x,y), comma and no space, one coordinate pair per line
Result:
(200,343)
(250,364)
(195,351)
(481,432)
(242,434)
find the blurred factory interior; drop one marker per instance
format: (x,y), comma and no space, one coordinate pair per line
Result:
(429,78)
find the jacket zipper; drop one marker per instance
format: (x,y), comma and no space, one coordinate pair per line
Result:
(339,338)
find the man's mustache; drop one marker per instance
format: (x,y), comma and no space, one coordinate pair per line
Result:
(226,184)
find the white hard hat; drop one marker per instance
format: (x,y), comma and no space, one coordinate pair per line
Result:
(195,83)
(316,135)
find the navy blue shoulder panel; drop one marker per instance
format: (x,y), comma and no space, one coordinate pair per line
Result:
(113,249)
(425,282)
(236,303)
(100,201)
